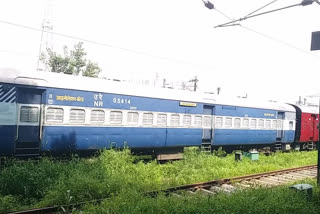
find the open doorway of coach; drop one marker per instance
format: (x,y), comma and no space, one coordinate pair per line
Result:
(29,122)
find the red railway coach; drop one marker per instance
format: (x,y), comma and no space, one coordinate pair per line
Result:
(307,133)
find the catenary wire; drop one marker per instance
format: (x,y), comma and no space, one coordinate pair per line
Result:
(261,8)
(265,35)
(107,45)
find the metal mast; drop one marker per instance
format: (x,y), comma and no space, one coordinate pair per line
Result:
(46,35)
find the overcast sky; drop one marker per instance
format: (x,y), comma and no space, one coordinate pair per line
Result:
(268,56)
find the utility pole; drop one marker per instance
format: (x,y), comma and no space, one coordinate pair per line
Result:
(164,84)
(218,90)
(315,45)
(195,81)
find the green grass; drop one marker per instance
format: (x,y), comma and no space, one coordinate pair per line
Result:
(276,200)
(114,173)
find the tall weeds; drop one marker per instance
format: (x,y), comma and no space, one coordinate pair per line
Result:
(112,173)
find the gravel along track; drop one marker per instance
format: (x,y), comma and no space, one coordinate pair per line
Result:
(267,179)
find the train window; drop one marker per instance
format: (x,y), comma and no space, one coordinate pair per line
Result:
(290,125)
(198,121)
(54,115)
(261,124)
(97,116)
(77,116)
(162,119)
(133,118)
(207,122)
(228,122)
(268,124)
(219,121)
(253,123)
(245,123)
(116,117)
(29,114)
(274,124)
(186,120)
(175,120)
(147,119)
(237,123)
(290,115)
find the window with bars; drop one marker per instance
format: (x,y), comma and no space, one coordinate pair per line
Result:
(133,118)
(147,119)
(77,116)
(274,124)
(228,122)
(97,116)
(237,123)
(116,117)
(245,123)
(54,115)
(253,123)
(162,119)
(268,124)
(219,121)
(29,114)
(175,120)
(186,120)
(261,124)
(198,121)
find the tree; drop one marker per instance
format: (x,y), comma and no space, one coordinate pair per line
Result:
(73,63)
(78,60)
(92,70)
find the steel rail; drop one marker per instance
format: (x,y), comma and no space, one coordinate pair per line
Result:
(195,186)
(231,180)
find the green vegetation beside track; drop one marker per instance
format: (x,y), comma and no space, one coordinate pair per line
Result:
(279,200)
(116,174)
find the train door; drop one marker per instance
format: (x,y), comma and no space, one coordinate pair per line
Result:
(280,125)
(28,121)
(208,124)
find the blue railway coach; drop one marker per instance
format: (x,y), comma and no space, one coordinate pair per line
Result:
(49,112)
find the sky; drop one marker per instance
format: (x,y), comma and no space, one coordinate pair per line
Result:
(267,57)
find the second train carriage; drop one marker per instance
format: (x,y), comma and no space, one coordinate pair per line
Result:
(61,113)
(307,134)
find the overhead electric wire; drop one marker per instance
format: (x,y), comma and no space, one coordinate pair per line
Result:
(267,36)
(280,41)
(261,8)
(255,15)
(16,53)
(106,45)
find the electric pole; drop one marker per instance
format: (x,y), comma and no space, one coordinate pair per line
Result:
(195,81)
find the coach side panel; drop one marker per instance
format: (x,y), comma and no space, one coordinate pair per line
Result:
(78,120)
(249,126)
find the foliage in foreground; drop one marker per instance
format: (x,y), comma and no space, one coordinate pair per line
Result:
(48,182)
(278,200)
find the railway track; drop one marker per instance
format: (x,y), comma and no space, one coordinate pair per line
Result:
(229,185)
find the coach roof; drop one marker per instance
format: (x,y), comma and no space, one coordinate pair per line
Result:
(60,80)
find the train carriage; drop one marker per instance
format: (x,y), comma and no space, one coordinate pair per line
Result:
(307,134)
(49,112)
(254,123)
